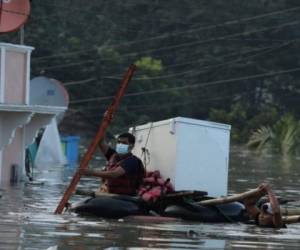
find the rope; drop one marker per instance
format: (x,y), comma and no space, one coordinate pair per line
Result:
(145,155)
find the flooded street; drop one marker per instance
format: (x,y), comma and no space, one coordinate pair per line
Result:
(27,220)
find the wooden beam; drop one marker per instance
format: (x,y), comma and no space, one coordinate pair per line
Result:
(228,199)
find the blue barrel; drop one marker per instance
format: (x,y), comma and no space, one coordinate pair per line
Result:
(71,148)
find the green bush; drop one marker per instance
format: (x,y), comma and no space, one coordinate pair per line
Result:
(282,137)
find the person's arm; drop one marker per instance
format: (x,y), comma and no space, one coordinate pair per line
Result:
(102,144)
(277,219)
(103,147)
(250,205)
(250,202)
(110,174)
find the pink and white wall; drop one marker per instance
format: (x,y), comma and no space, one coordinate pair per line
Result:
(19,121)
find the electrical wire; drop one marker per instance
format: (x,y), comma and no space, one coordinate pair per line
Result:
(202,41)
(61,66)
(72,83)
(237,60)
(193,73)
(222,57)
(14,12)
(65,65)
(191,86)
(178,104)
(166,104)
(178,46)
(232,22)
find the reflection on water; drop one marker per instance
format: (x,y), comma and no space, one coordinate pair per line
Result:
(27,220)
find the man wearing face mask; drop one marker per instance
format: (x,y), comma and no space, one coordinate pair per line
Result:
(124,171)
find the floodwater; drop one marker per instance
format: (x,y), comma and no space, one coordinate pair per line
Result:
(27,220)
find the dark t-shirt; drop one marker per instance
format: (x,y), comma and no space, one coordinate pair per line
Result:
(131,164)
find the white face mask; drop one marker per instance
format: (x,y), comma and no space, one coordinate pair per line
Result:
(122,149)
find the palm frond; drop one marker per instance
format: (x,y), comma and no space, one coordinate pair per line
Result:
(260,138)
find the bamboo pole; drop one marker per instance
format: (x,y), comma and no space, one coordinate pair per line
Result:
(228,199)
(291,219)
(289,211)
(101,131)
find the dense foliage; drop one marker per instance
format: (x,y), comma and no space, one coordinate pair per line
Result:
(229,61)
(282,138)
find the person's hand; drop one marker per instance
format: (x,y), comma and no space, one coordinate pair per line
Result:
(264,187)
(108,115)
(85,172)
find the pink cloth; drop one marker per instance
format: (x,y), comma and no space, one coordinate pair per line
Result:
(154,186)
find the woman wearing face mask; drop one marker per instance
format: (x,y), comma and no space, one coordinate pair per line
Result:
(124,171)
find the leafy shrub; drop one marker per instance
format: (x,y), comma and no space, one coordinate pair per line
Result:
(283,137)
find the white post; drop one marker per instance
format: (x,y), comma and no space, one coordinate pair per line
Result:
(1,166)
(2,74)
(27,92)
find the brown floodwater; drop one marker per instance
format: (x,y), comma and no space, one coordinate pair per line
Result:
(27,220)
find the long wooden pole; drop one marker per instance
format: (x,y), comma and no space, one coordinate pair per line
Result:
(289,211)
(101,131)
(227,199)
(291,219)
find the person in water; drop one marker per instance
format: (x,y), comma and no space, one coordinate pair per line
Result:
(124,171)
(268,214)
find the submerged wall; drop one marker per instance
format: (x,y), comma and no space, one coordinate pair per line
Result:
(19,120)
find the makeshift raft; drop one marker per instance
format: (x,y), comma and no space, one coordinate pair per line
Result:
(183,205)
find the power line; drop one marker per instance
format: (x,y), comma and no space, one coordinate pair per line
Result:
(170,105)
(72,83)
(35,59)
(223,56)
(194,99)
(14,12)
(193,73)
(213,39)
(205,84)
(197,42)
(72,8)
(76,21)
(174,65)
(232,22)
(65,65)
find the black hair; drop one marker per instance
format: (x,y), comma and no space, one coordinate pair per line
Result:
(130,137)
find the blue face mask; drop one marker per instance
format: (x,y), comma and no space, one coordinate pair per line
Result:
(122,149)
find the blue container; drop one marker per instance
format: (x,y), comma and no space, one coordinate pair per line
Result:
(71,148)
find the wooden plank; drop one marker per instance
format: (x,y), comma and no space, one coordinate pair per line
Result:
(289,211)
(291,219)
(185,194)
(228,199)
